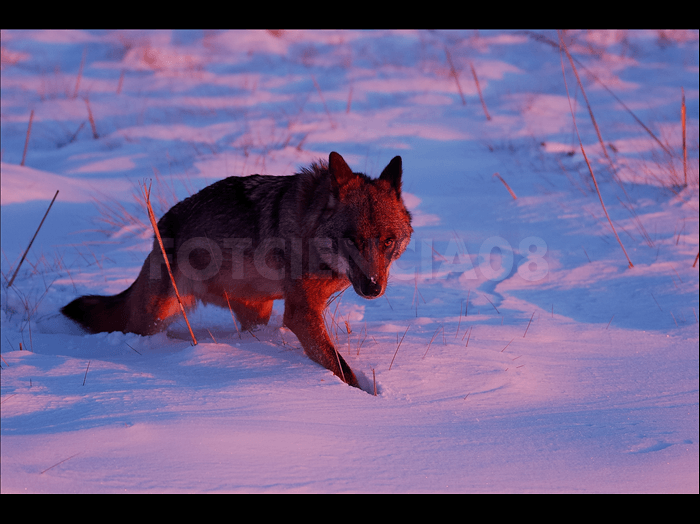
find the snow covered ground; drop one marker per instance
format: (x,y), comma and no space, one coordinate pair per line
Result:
(534,359)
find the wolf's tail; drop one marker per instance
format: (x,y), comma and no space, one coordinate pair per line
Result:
(98,313)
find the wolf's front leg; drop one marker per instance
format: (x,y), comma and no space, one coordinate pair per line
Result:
(304,303)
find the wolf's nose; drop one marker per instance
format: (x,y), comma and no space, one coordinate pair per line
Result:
(371,288)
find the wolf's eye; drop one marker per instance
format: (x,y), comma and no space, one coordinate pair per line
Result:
(349,242)
(389,242)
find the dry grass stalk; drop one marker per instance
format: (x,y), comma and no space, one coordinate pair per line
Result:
(588,105)
(466,331)
(552,43)
(676,272)
(86,370)
(151,216)
(232,317)
(320,93)
(638,223)
(116,216)
(165,202)
(80,74)
(586,253)
(398,346)
(374,382)
(121,82)
(431,340)
(528,324)
(494,306)
(696,259)
(674,318)
(416,294)
(75,135)
(337,356)
(606,327)
(507,186)
(334,298)
(415,289)
(92,120)
(583,151)
(59,463)
(26,140)
(29,328)
(360,342)
(132,348)
(470,336)
(685,150)
(32,241)
(453,72)
(387,301)
(460,317)
(478,88)
(508,344)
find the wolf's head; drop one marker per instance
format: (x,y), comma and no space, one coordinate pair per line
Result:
(369,225)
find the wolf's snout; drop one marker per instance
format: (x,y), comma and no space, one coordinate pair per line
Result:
(370,288)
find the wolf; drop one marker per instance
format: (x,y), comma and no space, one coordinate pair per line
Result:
(243,242)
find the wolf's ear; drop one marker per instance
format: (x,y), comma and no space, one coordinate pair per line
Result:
(339,169)
(392,174)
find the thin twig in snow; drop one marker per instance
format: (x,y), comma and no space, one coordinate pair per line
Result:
(611,318)
(494,306)
(398,346)
(507,186)
(590,169)
(32,241)
(542,38)
(478,88)
(508,344)
(151,216)
(453,72)
(685,150)
(431,341)
(528,324)
(59,463)
(26,140)
(86,370)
